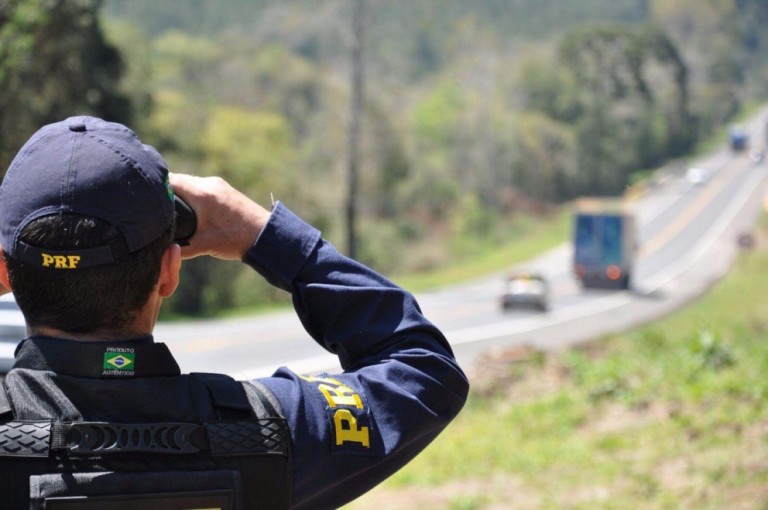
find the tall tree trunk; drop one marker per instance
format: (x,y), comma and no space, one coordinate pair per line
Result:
(355,121)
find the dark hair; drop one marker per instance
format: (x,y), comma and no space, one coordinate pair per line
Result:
(88,300)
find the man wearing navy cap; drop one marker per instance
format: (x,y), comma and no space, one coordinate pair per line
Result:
(96,414)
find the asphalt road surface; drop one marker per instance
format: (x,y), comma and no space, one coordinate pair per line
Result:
(688,236)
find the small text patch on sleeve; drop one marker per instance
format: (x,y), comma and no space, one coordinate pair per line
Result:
(348,415)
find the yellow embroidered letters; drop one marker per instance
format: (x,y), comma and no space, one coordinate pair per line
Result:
(60,261)
(349,417)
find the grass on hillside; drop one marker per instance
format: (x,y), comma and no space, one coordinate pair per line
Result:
(673,415)
(528,238)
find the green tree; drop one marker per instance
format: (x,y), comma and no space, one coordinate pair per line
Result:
(726,42)
(612,66)
(54,62)
(545,157)
(185,61)
(549,88)
(280,81)
(253,151)
(436,129)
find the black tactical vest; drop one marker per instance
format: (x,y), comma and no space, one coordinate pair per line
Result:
(239,461)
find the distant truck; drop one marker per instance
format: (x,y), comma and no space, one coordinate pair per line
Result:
(738,139)
(604,246)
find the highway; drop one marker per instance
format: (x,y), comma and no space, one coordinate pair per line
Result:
(687,240)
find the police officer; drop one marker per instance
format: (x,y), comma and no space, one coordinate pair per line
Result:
(96,414)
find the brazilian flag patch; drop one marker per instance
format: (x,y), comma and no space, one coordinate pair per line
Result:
(119,361)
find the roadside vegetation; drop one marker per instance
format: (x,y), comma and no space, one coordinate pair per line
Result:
(479,117)
(672,415)
(524,238)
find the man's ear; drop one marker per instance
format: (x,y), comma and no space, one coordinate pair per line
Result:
(169,271)
(5,281)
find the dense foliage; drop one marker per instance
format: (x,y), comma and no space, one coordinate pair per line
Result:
(54,62)
(475,112)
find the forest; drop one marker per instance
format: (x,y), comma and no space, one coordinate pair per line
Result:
(474,114)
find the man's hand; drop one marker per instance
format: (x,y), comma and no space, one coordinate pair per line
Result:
(228,222)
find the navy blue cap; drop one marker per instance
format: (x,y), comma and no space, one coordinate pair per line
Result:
(89,167)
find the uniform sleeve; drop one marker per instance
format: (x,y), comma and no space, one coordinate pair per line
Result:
(400,386)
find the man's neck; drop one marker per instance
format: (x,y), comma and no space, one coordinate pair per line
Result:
(96,336)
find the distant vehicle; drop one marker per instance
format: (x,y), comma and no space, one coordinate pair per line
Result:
(604,246)
(12,330)
(738,138)
(697,176)
(525,290)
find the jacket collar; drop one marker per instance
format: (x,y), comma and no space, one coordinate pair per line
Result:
(138,357)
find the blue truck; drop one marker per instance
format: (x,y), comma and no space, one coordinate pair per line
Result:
(738,138)
(604,247)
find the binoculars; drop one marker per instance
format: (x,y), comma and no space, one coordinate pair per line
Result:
(186,221)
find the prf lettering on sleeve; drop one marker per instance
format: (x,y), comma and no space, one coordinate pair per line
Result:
(60,261)
(349,417)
